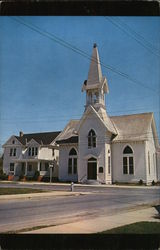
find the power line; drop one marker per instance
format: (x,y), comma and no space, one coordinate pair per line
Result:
(114,22)
(139,36)
(82,53)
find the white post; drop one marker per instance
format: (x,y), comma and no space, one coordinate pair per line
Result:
(38,164)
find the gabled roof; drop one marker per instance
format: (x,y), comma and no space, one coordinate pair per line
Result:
(42,138)
(104,119)
(132,127)
(69,134)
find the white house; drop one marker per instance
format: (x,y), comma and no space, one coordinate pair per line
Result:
(107,149)
(27,153)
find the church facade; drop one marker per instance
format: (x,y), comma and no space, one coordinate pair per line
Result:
(102,149)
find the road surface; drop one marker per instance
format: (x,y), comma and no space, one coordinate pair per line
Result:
(28,213)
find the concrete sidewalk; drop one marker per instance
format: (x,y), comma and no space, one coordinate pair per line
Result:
(43,194)
(102,223)
(82,185)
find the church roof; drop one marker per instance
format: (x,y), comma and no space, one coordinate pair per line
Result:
(42,138)
(132,127)
(69,134)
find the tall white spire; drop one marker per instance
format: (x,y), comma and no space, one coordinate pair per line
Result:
(96,85)
(95,72)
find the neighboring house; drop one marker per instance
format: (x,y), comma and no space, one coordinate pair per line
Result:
(27,153)
(99,148)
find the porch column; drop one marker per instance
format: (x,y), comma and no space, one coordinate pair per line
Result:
(26,168)
(38,164)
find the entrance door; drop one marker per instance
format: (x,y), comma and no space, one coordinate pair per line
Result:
(92,169)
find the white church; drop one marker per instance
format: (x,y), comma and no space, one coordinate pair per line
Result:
(95,149)
(103,149)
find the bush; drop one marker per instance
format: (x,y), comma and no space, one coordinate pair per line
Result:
(153,183)
(36,175)
(3,177)
(140,182)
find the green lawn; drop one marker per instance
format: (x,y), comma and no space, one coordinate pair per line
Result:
(143,227)
(4,191)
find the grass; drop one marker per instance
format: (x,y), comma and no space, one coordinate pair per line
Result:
(6,191)
(143,227)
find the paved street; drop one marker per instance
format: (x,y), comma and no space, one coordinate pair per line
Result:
(26,213)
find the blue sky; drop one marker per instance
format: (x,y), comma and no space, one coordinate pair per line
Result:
(41,80)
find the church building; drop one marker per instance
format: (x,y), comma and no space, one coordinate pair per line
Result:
(106,149)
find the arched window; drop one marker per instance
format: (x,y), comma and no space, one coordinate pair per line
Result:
(91,139)
(72,152)
(72,162)
(128,163)
(127,150)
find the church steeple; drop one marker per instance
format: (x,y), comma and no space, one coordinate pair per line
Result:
(96,85)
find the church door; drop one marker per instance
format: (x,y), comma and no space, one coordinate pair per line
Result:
(92,169)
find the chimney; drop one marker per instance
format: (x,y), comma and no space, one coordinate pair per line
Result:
(20,134)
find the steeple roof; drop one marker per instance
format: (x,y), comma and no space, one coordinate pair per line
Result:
(95,78)
(95,72)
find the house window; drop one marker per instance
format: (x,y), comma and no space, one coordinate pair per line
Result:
(13,142)
(36,151)
(29,151)
(72,162)
(11,167)
(32,151)
(12,152)
(91,139)
(100,169)
(149,167)
(128,163)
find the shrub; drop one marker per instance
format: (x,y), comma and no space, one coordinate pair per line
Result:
(36,174)
(153,183)
(140,182)
(3,177)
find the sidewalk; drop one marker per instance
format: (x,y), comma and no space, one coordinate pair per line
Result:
(43,194)
(83,185)
(101,223)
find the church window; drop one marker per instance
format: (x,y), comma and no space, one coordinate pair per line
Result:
(127,150)
(109,164)
(72,162)
(128,163)
(91,139)
(100,169)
